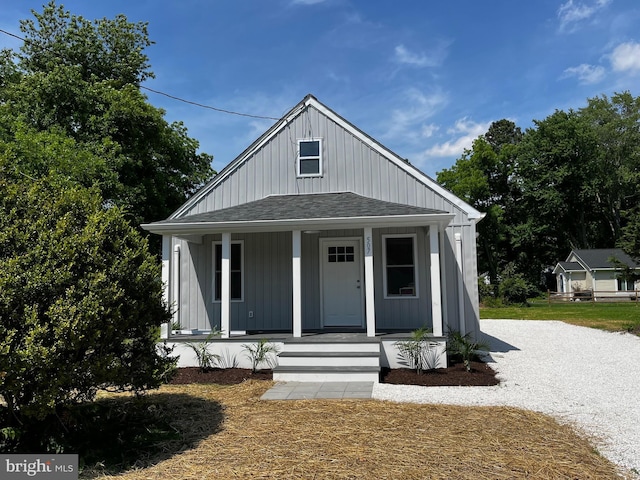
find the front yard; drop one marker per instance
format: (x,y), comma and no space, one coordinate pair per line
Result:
(613,317)
(227,432)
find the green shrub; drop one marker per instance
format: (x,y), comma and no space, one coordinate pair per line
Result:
(80,300)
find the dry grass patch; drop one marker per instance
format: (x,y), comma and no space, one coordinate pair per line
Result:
(350,439)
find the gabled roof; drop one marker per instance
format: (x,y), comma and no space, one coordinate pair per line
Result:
(568,267)
(303,211)
(598,258)
(311,101)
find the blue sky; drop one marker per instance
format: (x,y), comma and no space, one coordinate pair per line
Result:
(423,77)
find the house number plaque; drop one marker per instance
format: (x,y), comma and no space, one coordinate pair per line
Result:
(367,245)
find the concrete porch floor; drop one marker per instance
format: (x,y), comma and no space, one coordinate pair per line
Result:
(319,390)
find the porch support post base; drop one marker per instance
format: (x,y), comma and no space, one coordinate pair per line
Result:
(296,239)
(436,288)
(370,302)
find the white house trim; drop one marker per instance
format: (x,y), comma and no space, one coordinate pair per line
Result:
(225,278)
(436,288)
(458,238)
(165,329)
(442,219)
(369,285)
(296,264)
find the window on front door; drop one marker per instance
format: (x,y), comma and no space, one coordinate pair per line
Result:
(400,266)
(236,271)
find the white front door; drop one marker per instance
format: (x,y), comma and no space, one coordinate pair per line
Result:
(342,282)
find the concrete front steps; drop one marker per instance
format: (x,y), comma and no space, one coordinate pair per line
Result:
(324,361)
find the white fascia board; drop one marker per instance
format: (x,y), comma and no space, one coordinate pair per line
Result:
(195,228)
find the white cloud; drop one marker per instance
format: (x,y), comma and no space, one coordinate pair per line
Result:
(429,130)
(626,57)
(586,74)
(407,123)
(464,131)
(571,13)
(433,58)
(405,56)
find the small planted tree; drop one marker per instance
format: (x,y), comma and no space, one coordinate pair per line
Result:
(261,352)
(80,301)
(206,358)
(465,346)
(417,352)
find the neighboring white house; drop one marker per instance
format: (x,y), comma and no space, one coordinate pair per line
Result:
(592,270)
(316,227)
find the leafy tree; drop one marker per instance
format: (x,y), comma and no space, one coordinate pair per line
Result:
(79,78)
(80,299)
(483,177)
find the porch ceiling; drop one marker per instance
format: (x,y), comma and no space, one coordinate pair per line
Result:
(287,212)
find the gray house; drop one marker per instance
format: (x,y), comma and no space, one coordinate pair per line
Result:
(317,228)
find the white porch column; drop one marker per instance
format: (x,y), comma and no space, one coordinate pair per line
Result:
(436,290)
(225,294)
(369,293)
(463,323)
(165,328)
(296,264)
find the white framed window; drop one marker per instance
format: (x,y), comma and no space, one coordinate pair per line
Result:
(400,266)
(309,162)
(237,271)
(625,285)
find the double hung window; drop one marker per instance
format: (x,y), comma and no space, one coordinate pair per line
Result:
(400,266)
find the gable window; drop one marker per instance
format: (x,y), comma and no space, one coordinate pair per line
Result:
(237,264)
(310,158)
(400,266)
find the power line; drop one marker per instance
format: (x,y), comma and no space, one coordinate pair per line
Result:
(221,110)
(173,97)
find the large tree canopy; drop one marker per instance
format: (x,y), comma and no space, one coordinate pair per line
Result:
(80,79)
(571,181)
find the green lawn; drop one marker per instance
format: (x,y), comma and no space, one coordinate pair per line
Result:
(606,316)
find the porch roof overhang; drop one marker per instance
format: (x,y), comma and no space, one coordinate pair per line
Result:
(568,267)
(303,212)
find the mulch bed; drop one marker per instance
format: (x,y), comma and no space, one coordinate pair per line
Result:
(221,376)
(456,375)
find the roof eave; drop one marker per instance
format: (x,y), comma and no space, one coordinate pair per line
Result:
(442,220)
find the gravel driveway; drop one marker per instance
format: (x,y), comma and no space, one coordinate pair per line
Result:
(578,375)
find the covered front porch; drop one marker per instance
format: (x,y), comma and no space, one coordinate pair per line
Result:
(310,263)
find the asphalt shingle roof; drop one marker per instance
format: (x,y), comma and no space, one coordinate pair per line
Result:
(571,266)
(599,257)
(306,207)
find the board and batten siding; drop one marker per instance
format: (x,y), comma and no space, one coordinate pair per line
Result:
(268,284)
(348,165)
